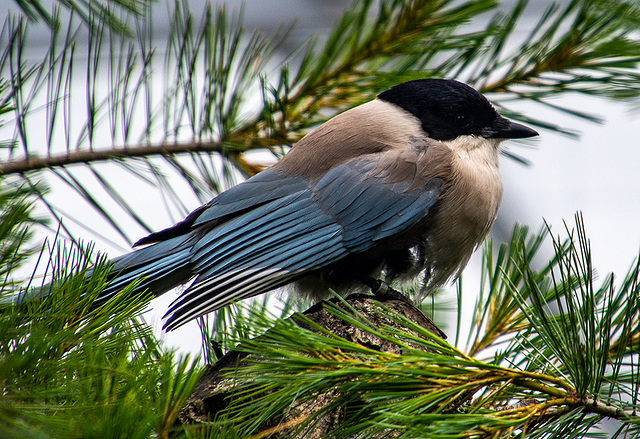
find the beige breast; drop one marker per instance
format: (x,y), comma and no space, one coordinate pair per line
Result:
(469,207)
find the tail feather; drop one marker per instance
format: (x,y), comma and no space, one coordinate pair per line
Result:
(162,266)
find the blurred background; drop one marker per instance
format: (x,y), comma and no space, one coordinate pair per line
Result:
(595,171)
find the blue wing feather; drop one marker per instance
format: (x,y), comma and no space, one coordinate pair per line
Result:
(265,187)
(307,227)
(260,272)
(273,229)
(380,209)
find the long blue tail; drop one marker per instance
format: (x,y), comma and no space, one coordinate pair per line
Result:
(162,266)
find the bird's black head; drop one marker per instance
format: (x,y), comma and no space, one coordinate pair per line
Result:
(448,109)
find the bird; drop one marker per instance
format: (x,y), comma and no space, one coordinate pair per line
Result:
(405,186)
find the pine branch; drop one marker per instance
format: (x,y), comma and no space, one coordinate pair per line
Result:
(555,60)
(592,405)
(563,334)
(132,151)
(342,368)
(68,369)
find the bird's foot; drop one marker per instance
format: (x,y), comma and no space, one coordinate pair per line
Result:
(382,290)
(386,292)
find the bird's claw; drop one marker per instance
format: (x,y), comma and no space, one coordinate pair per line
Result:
(383,290)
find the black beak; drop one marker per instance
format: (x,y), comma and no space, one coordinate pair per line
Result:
(506,129)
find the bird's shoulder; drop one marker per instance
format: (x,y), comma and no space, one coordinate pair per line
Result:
(378,130)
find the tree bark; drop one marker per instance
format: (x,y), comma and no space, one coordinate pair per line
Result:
(214,390)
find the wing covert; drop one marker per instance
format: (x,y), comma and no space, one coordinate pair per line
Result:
(276,240)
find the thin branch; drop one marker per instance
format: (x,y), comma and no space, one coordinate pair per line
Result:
(536,385)
(91,156)
(87,156)
(594,406)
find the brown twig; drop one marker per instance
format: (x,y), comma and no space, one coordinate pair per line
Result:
(88,156)
(233,146)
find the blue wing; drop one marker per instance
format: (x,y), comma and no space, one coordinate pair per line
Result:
(277,228)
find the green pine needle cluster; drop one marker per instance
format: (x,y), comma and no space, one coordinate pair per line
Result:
(563,356)
(68,370)
(551,352)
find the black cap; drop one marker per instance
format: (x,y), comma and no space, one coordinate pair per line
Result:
(448,109)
